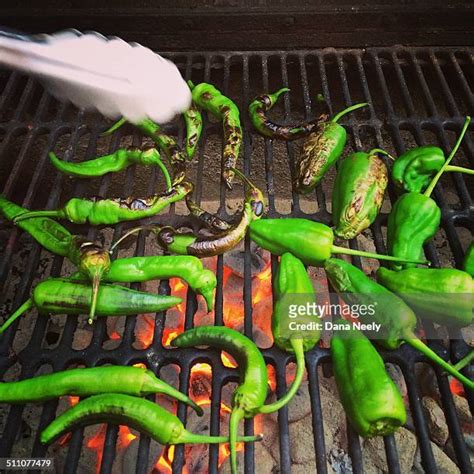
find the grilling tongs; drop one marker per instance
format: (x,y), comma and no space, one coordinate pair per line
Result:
(94,72)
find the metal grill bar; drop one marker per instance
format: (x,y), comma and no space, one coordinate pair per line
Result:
(388,78)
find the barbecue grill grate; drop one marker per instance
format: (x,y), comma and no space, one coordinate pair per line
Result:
(422,93)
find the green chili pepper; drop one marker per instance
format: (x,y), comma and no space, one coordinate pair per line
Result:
(175,242)
(141,414)
(135,381)
(311,242)
(321,150)
(117,161)
(358,193)
(250,395)
(61,296)
(93,261)
(412,171)
(291,280)
(168,145)
(415,218)
(211,99)
(468,263)
(193,121)
(263,103)
(188,268)
(47,232)
(396,319)
(99,211)
(211,221)
(371,400)
(443,295)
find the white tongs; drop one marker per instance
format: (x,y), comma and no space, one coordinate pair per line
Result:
(114,77)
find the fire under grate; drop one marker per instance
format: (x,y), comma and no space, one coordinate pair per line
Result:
(416,95)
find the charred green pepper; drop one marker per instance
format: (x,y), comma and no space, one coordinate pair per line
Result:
(211,99)
(193,121)
(415,218)
(321,150)
(262,104)
(358,193)
(443,295)
(180,243)
(99,211)
(396,319)
(370,398)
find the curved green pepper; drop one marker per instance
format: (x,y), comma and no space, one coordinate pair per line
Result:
(211,99)
(262,104)
(311,242)
(443,295)
(468,263)
(412,171)
(396,319)
(99,211)
(193,121)
(186,267)
(415,218)
(291,281)
(413,221)
(321,150)
(358,193)
(370,398)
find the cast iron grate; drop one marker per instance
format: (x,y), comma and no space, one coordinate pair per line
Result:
(417,94)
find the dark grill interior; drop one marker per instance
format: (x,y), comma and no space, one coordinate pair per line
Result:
(417,95)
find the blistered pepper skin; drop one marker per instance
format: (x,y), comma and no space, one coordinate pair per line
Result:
(442,295)
(413,221)
(370,398)
(358,193)
(412,171)
(321,150)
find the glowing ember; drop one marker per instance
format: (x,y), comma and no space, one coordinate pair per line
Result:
(456,387)
(228,360)
(125,437)
(271,377)
(96,443)
(145,331)
(140,365)
(115,336)
(169,335)
(165,461)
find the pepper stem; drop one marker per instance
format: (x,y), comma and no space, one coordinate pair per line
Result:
(28,304)
(419,345)
(459,169)
(186,437)
(278,93)
(191,84)
(297,346)
(381,152)
(348,110)
(32,214)
(114,127)
(129,233)
(243,178)
(95,293)
(435,180)
(361,253)
(236,415)
(464,361)
(165,172)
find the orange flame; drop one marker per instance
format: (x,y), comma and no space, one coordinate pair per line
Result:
(271,377)
(96,443)
(165,461)
(125,437)
(115,336)
(169,335)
